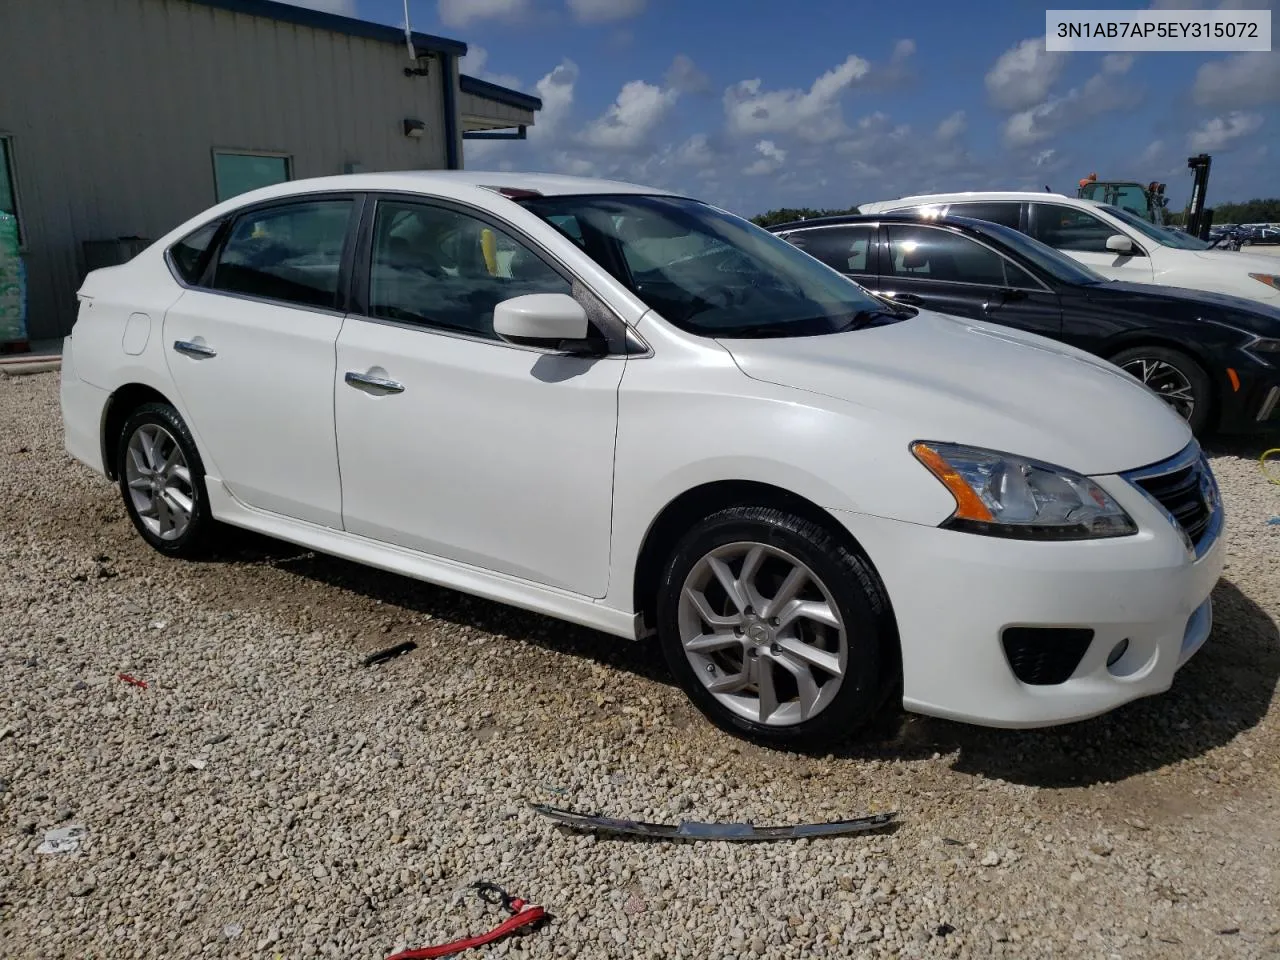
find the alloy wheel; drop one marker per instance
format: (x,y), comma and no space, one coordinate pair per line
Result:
(159,481)
(763,633)
(1168,383)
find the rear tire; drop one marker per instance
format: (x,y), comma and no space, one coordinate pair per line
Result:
(161,480)
(775,629)
(1173,377)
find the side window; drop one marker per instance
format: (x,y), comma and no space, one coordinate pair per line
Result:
(932,253)
(1068,228)
(441,268)
(847,249)
(994,211)
(189,253)
(291,253)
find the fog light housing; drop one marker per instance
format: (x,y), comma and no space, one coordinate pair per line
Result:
(1118,651)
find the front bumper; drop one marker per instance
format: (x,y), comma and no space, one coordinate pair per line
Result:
(954,595)
(1255,407)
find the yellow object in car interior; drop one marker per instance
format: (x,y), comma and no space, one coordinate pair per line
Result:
(489,245)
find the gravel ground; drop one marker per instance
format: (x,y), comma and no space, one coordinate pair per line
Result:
(268,796)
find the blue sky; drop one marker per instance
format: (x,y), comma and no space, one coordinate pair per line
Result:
(756,104)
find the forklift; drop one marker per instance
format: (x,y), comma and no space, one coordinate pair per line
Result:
(1150,202)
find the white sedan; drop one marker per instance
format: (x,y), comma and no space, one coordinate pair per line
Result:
(635,411)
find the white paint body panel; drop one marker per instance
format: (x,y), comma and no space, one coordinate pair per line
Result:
(532,479)
(1218,271)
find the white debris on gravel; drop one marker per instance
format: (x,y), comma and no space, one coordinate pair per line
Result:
(338,808)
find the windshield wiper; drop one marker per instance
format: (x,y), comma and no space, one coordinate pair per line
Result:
(872,318)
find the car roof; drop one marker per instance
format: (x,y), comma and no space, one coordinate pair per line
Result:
(965,223)
(973,195)
(443,183)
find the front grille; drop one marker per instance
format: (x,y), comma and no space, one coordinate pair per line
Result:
(1181,492)
(1044,656)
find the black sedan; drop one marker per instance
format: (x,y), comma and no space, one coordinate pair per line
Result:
(1214,358)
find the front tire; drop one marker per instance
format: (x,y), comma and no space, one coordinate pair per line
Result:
(161,479)
(775,629)
(1175,378)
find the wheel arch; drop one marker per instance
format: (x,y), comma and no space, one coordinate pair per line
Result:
(123,401)
(701,501)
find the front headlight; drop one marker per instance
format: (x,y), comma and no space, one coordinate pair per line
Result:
(1270,279)
(1001,495)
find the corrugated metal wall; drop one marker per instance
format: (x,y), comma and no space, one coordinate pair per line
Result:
(470,105)
(115,107)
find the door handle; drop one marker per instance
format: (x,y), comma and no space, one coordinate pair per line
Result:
(378,383)
(192,349)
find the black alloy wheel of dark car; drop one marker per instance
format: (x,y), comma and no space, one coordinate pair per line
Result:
(1174,377)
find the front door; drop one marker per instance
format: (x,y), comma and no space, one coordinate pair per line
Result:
(251,351)
(943,270)
(455,443)
(1083,236)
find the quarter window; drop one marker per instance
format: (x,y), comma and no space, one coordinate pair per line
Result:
(993,211)
(927,253)
(189,253)
(846,249)
(291,253)
(1068,228)
(440,268)
(237,173)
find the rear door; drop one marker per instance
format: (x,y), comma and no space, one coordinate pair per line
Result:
(946,271)
(251,347)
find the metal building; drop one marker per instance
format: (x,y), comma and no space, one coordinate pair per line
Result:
(121,118)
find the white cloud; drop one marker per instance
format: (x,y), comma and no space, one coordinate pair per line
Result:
(599,11)
(473,64)
(1243,79)
(556,92)
(695,152)
(952,126)
(1117,63)
(684,75)
(459,13)
(1219,132)
(1101,93)
(813,115)
(632,118)
(772,157)
(345,8)
(903,49)
(1153,154)
(1024,74)
(574,166)
(1044,158)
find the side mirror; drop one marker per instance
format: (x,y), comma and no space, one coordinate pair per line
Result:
(554,321)
(1119,243)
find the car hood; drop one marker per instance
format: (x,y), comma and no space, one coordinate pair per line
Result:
(935,377)
(1252,316)
(1252,262)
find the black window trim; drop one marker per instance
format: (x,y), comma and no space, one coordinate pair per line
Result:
(873,245)
(1033,215)
(621,340)
(230,217)
(1020,204)
(1043,288)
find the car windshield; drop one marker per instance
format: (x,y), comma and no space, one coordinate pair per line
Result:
(1058,265)
(1161,235)
(709,272)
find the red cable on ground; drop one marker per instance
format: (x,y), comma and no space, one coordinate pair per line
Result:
(525,915)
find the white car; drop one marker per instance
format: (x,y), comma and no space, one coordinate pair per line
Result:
(1114,242)
(634,411)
